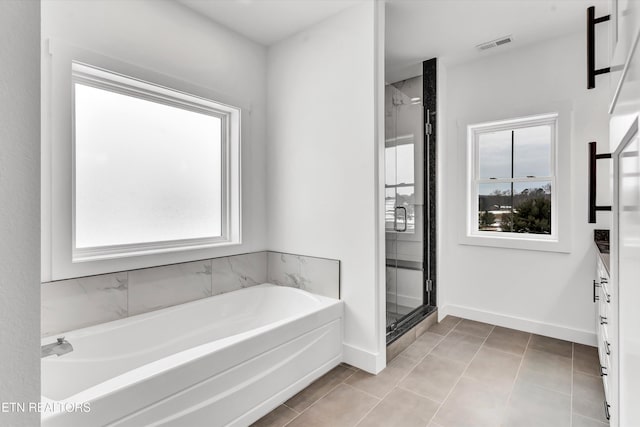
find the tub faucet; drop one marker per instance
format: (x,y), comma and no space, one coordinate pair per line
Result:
(60,347)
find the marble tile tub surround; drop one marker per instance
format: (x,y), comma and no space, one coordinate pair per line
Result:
(317,275)
(77,303)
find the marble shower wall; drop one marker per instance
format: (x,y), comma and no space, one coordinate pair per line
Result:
(77,303)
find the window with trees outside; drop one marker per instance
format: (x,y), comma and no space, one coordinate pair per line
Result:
(513,178)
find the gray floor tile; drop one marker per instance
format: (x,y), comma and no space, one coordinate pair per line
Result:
(458,346)
(580,421)
(346,365)
(342,407)
(586,360)
(551,345)
(276,418)
(587,387)
(319,388)
(422,346)
(546,370)
(496,369)
(533,406)
(588,396)
(445,325)
(466,373)
(471,327)
(472,404)
(434,377)
(401,408)
(508,340)
(379,385)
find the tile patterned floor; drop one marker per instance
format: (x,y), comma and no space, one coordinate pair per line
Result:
(460,373)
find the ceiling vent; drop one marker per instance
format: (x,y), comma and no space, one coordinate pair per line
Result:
(495,43)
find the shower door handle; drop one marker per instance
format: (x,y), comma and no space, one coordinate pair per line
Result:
(395,219)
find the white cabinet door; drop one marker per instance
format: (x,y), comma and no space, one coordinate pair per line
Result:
(627,274)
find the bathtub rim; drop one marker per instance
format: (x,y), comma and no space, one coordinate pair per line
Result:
(184,357)
(136,318)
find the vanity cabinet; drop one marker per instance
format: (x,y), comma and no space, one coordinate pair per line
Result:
(605,327)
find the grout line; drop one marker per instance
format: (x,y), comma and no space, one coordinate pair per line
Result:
(543,387)
(462,374)
(515,380)
(413,366)
(431,398)
(367,393)
(289,407)
(442,338)
(396,385)
(393,388)
(321,397)
(592,419)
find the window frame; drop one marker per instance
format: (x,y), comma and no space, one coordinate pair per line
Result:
(57,156)
(99,78)
(416,234)
(558,240)
(511,125)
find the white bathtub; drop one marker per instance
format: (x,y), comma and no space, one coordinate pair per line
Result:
(224,360)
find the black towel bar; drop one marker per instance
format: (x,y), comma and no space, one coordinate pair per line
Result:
(591,47)
(592,182)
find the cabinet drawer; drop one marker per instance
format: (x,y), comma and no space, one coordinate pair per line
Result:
(604,302)
(604,346)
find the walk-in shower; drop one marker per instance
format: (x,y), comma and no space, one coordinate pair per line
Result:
(410,200)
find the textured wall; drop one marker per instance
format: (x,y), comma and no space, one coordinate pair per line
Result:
(19,207)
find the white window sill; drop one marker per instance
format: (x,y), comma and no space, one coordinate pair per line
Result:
(546,243)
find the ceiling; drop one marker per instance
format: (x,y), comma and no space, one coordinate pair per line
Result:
(268,21)
(450,29)
(415,29)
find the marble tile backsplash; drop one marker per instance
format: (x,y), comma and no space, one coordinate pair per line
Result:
(159,287)
(239,271)
(317,275)
(77,303)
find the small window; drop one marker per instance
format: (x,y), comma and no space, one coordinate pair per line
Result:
(513,178)
(152,170)
(400,185)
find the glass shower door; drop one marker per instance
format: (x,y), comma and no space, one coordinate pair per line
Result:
(404,200)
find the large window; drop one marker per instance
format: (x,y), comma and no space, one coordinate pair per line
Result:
(512,188)
(154,169)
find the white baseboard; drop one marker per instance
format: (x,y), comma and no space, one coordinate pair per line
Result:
(527,325)
(363,359)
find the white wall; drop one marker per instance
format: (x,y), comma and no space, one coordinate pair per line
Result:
(167,38)
(325,88)
(19,208)
(544,292)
